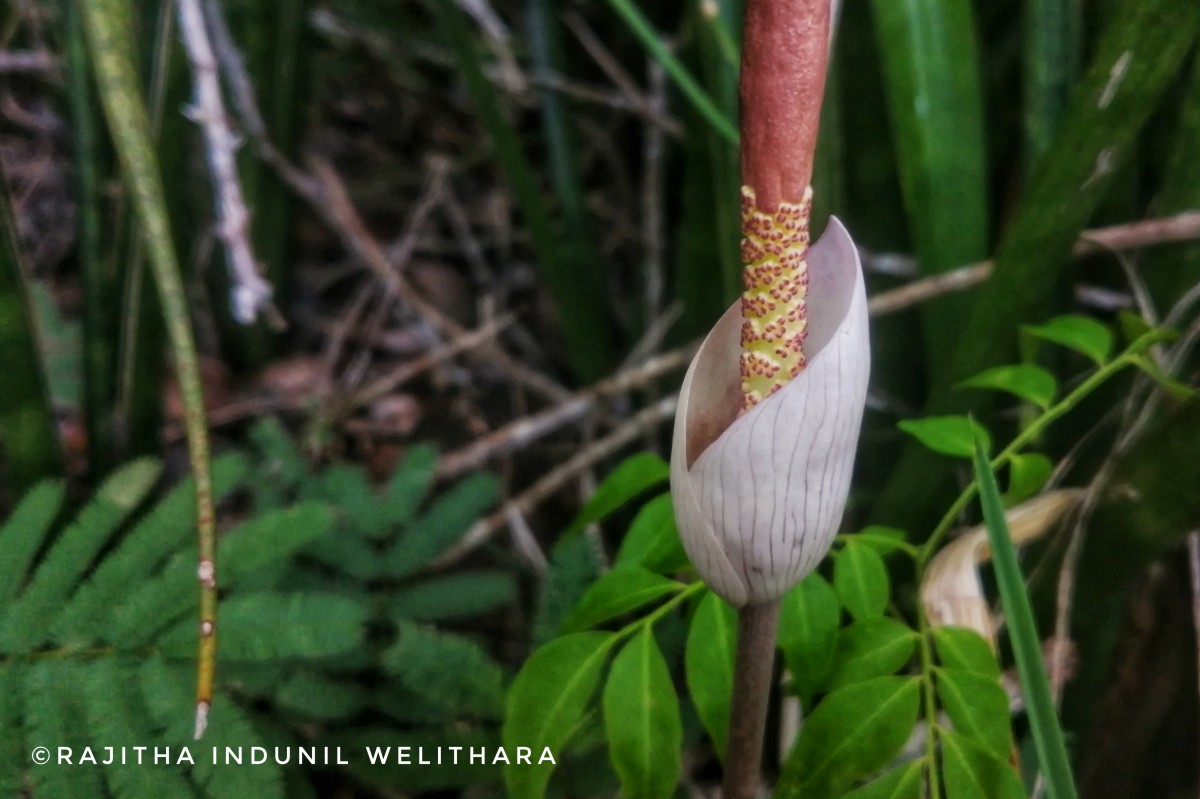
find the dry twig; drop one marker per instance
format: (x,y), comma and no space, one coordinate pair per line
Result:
(250,294)
(1182,227)
(28,61)
(524,431)
(523,504)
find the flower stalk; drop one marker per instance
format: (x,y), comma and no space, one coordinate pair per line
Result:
(770,410)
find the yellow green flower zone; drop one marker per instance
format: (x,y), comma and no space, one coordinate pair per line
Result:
(775,282)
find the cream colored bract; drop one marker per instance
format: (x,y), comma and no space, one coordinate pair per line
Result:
(759,496)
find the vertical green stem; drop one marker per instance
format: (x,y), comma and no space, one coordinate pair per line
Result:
(28,440)
(101,294)
(109,24)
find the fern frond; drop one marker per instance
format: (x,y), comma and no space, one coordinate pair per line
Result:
(348,555)
(13,751)
(454,596)
(410,483)
(575,564)
(269,627)
(164,530)
(281,468)
(347,488)
(22,535)
(153,605)
(27,621)
(166,688)
(117,717)
(314,695)
(270,538)
(443,524)
(53,708)
(244,550)
(450,673)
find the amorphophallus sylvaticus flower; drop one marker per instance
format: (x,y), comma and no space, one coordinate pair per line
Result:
(759,493)
(769,414)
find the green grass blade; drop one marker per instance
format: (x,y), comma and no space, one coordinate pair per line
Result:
(101,306)
(28,438)
(1137,58)
(561,149)
(935,101)
(1022,632)
(574,289)
(1053,41)
(708,264)
(703,103)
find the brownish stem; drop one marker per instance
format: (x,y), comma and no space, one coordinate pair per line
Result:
(753,670)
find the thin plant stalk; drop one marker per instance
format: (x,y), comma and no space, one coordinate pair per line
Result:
(108,24)
(785,57)
(752,677)
(27,434)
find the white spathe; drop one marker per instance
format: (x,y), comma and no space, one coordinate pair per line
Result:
(759,497)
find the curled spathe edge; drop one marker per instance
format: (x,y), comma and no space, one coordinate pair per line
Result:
(758,497)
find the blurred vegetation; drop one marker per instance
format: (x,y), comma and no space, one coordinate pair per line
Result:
(567,171)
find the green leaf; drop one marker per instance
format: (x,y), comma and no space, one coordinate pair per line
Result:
(443,524)
(971,772)
(1079,333)
(1030,383)
(449,673)
(861,580)
(902,782)
(410,483)
(949,435)
(244,551)
(23,533)
(884,540)
(641,719)
(575,563)
(1135,59)
(876,647)
(1022,630)
(454,596)
(1179,391)
(808,628)
(852,733)
(653,539)
(269,626)
(931,76)
(708,661)
(1027,475)
(160,533)
(547,702)
(348,489)
(166,687)
(631,477)
(73,552)
(315,695)
(1053,45)
(617,593)
(964,649)
(978,706)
